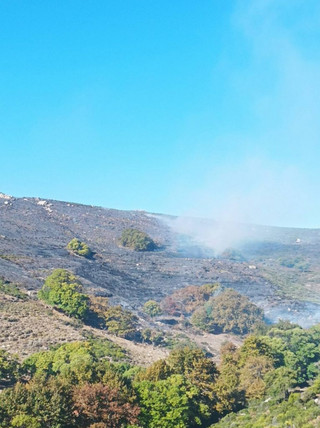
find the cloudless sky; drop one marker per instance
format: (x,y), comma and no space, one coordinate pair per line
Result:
(208,108)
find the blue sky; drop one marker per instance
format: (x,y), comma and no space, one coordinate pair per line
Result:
(206,108)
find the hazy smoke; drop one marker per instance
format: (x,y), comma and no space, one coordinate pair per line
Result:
(266,180)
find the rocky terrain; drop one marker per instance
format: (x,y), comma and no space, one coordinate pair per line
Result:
(34,234)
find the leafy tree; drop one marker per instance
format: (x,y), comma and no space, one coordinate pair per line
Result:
(98,403)
(159,370)
(252,375)
(152,308)
(120,322)
(64,291)
(40,403)
(229,312)
(167,403)
(74,361)
(79,248)
(137,240)
(188,299)
(9,366)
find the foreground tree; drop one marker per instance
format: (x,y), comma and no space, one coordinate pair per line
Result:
(101,404)
(63,290)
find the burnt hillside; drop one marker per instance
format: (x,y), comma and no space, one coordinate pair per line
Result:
(34,234)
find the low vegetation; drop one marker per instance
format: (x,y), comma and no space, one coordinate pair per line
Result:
(137,240)
(11,289)
(79,248)
(152,308)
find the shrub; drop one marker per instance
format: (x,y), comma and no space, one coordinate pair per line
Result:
(152,308)
(79,248)
(188,299)
(8,367)
(64,291)
(229,312)
(11,289)
(120,322)
(137,240)
(100,403)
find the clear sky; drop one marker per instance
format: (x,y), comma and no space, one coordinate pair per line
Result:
(208,108)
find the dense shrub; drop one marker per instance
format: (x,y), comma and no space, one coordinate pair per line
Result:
(40,403)
(137,240)
(64,291)
(152,308)
(99,403)
(188,299)
(8,367)
(79,248)
(75,361)
(229,312)
(11,289)
(120,322)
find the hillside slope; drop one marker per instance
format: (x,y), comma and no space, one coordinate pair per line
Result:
(34,234)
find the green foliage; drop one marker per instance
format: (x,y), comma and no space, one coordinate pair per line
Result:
(229,312)
(25,421)
(167,403)
(75,361)
(297,262)
(11,289)
(188,299)
(38,404)
(152,308)
(64,291)
(137,240)
(294,412)
(8,367)
(79,248)
(120,322)
(80,384)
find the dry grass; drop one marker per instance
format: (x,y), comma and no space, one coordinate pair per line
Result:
(30,326)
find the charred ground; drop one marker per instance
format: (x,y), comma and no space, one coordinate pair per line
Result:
(34,234)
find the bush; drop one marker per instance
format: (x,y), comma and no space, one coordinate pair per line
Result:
(152,308)
(229,312)
(188,299)
(79,248)
(8,367)
(11,289)
(137,240)
(64,291)
(120,322)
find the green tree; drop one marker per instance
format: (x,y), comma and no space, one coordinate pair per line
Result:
(167,403)
(47,402)
(229,312)
(120,322)
(79,248)
(64,291)
(137,240)
(152,308)
(8,367)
